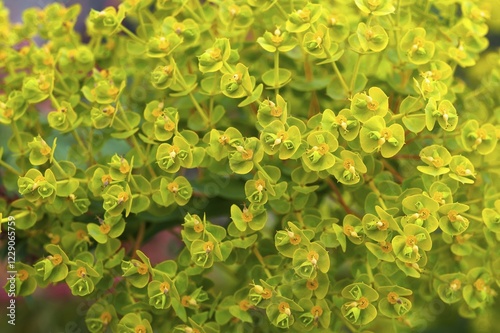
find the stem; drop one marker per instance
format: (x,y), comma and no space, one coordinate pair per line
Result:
(10,168)
(341,78)
(494,196)
(281,10)
(195,16)
(18,216)
(135,143)
(19,142)
(377,192)
(335,68)
(340,199)
(261,169)
(140,237)
(259,257)
(370,273)
(59,168)
(79,141)
(276,71)
(394,172)
(132,35)
(472,217)
(54,101)
(61,79)
(198,108)
(478,248)
(200,9)
(355,72)
(183,84)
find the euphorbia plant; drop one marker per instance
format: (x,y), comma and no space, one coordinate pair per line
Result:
(328,166)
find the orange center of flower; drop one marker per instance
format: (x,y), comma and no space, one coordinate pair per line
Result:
(455,284)
(437,162)
(392,297)
(438,196)
(316,311)
(215,53)
(372,105)
(234,10)
(106,179)
(460,170)
(123,197)
(208,247)
(304,14)
(113,91)
(140,329)
(56,259)
(124,166)
(198,225)
(386,133)
(453,215)
(480,285)
(8,113)
(247,154)
(55,239)
(109,110)
(45,150)
(173,187)
(169,125)
(23,275)
(164,287)
(294,238)
(411,240)
(386,247)
(363,303)
(267,294)
(245,305)
(284,307)
(168,69)
(246,216)
(276,111)
(105,318)
(142,268)
(424,213)
(323,148)
(178,27)
(104,228)
(312,284)
(185,301)
(81,234)
(313,256)
(349,231)
(81,272)
(382,225)
(348,164)
(44,85)
(223,139)
(276,39)
(156,112)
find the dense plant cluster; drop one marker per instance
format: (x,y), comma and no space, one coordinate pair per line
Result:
(326,163)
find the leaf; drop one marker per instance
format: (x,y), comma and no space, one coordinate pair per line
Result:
(269,78)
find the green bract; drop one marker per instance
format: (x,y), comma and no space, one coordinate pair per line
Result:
(418,50)
(365,106)
(437,158)
(253,165)
(359,310)
(378,8)
(213,59)
(375,136)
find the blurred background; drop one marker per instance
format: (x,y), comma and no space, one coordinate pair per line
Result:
(54,310)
